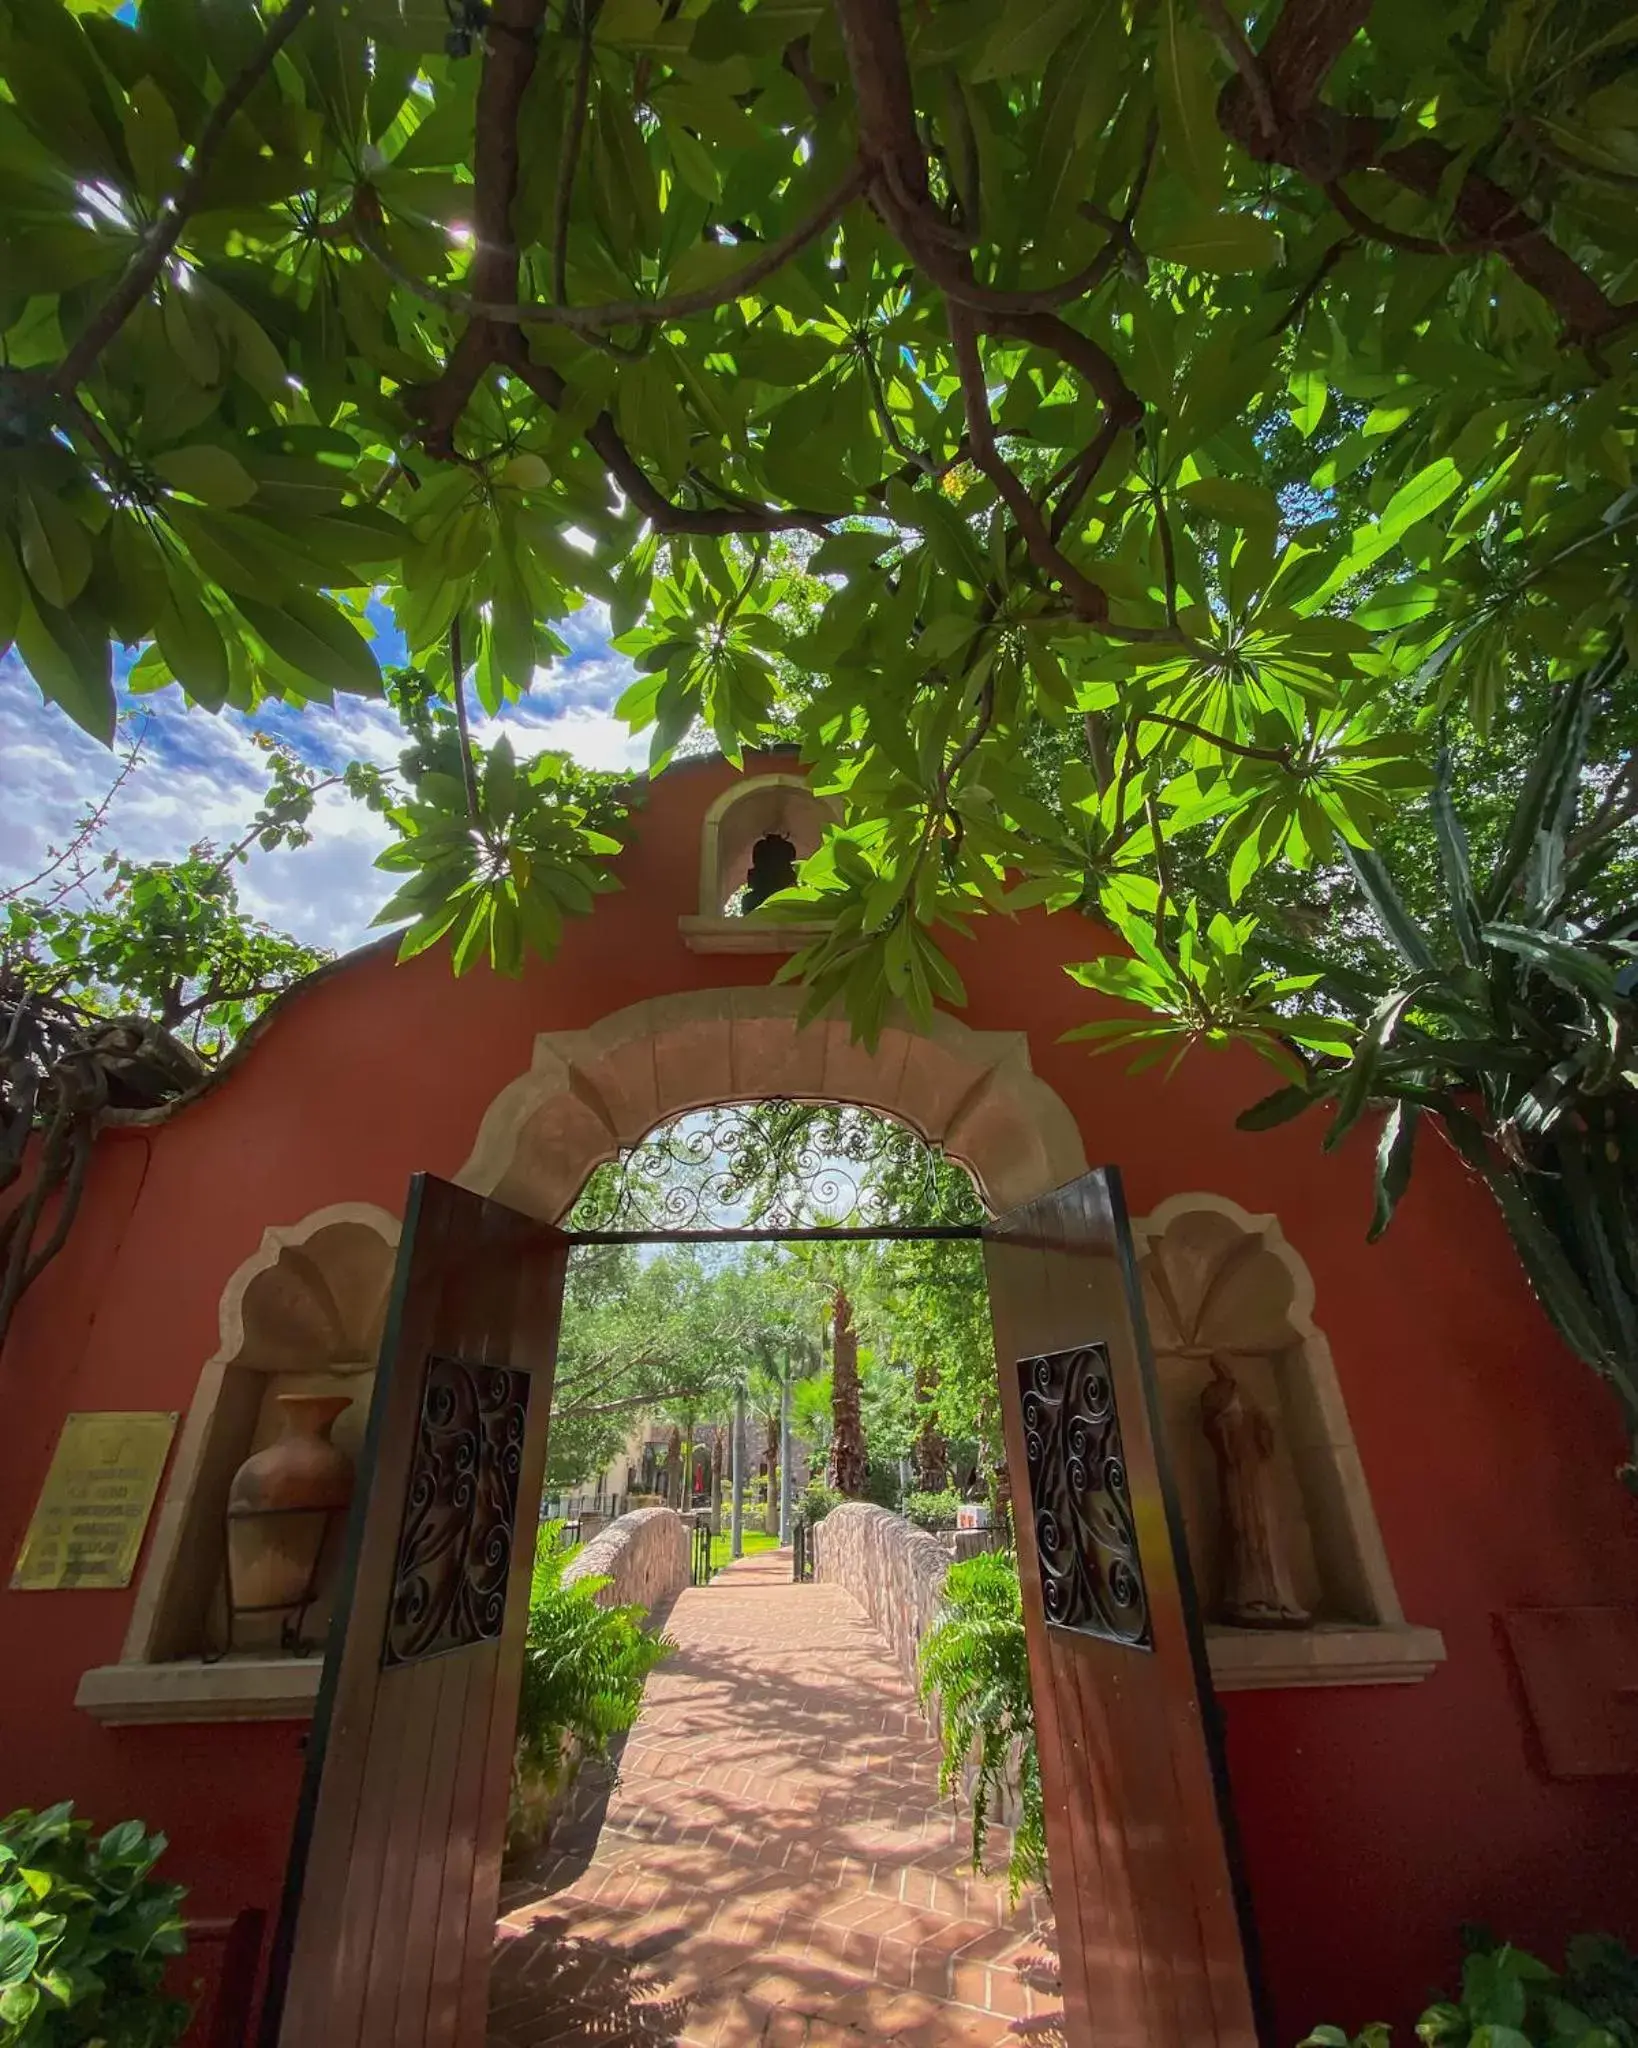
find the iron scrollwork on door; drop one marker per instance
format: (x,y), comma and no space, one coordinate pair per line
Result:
(460,1510)
(1091,1572)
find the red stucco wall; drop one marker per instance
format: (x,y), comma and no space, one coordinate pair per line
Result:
(1374,1819)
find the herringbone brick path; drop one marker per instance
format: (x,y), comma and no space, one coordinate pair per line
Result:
(775,1866)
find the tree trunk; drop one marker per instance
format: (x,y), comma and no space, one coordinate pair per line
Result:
(716,1480)
(671,1481)
(847,1450)
(931,1457)
(770,1518)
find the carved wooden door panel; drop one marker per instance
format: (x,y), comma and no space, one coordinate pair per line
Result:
(1153,1928)
(388,1916)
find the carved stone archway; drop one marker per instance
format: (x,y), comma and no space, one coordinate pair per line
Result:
(588,1094)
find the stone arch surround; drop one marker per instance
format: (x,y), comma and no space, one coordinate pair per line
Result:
(588,1094)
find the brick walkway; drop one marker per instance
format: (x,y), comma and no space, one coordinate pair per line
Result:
(775,1866)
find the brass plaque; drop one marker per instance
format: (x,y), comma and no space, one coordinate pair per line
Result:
(94,1506)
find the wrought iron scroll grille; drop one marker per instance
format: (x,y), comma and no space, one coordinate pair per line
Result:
(1091,1571)
(460,1511)
(776,1165)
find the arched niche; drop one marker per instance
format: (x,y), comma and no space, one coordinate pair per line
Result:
(303,1314)
(761,806)
(1221,1282)
(588,1094)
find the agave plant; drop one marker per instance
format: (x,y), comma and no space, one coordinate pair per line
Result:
(1514,1026)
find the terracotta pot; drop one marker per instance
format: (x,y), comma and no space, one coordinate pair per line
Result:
(282,1503)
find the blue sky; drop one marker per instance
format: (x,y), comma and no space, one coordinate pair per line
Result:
(200,777)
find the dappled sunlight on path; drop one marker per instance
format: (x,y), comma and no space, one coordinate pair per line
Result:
(775,1865)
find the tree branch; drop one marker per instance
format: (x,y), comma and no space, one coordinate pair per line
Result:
(594,321)
(1303,46)
(142,272)
(1320,143)
(665,516)
(1322,270)
(1090,601)
(86,829)
(1395,238)
(1231,34)
(637,1401)
(1084,473)
(1281,756)
(571,155)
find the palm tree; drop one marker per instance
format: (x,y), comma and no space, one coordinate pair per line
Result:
(931,1453)
(847,1446)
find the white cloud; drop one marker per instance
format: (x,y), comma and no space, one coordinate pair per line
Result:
(595,738)
(202,777)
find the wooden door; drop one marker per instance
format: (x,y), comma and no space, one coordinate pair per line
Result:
(1153,1928)
(389,1909)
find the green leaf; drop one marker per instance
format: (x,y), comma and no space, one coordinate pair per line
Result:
(18,2003)
(1454,859)
(1420,496)
(1360,1077)
(69,657)
(192,644)
(317,641)
(1220,242)
(1310,394)
(1575,966)
(56,547)
(1186,87)
(1394,1154)
(1278,1108)
(19,1951)
(11,592)
(212,475)
(1025,36)
(1391,913)
(142,588)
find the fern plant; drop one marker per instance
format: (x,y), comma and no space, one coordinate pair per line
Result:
(974,1673)
(584,1666)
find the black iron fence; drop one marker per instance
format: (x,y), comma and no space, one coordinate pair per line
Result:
(801,1553)
(700,1554)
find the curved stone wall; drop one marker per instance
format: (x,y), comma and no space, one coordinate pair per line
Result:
(894,1570)
(644,1555)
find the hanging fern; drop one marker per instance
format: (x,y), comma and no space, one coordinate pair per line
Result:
(975,1675)
(583,1666)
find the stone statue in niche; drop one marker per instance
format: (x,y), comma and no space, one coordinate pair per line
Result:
(773,867)
(1258,1590)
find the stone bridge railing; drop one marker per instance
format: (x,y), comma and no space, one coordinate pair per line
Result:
(894,1570)
(644,1555)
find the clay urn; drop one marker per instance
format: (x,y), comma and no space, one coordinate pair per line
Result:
(283,1503)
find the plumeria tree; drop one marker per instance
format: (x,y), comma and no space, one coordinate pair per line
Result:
(1123,442)
(997,319)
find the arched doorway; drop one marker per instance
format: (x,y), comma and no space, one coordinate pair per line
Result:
(396,1861)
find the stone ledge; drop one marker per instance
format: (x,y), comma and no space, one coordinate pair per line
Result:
(1257,1660)
(285,1688)
(746,935)
(237,1689)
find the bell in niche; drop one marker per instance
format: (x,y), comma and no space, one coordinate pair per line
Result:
(773,867)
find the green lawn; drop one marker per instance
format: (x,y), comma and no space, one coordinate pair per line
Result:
(755,1540)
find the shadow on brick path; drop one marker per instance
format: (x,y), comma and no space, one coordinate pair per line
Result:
(774,1867)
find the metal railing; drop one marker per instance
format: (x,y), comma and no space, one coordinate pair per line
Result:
(700,1554)
(801,1553)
